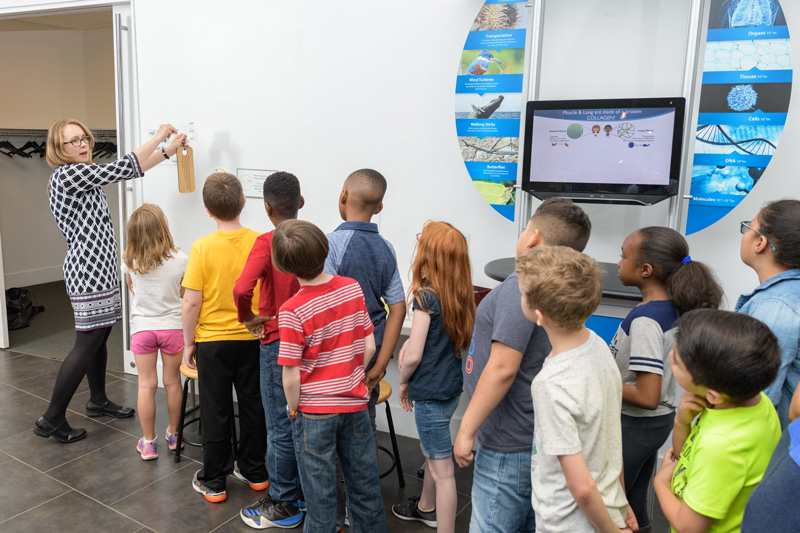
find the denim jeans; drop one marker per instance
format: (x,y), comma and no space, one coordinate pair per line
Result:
(501,492)
(433,425)
(317,439)
(281,462)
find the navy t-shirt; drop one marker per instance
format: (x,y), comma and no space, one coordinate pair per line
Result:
(438,376)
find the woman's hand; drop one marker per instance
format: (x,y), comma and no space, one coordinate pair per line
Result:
(164,132)
(176,143)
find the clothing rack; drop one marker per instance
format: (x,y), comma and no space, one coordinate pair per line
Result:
(26,143)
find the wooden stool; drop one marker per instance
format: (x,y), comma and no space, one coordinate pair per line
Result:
(383,395)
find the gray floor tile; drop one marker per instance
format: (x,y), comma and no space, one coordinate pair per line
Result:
(42,386)
(68,513)
(18,413)
(22,367)
(38,488)
(118,390)
(123,471)
(184,509)
(45,454)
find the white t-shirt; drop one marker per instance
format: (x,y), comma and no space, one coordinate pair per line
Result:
(576,403)
(156,303)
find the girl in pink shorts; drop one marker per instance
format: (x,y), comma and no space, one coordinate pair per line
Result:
(153,269)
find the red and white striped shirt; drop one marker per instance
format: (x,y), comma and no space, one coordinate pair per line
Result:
(322,330)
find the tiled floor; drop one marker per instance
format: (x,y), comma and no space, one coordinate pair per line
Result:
(101,484)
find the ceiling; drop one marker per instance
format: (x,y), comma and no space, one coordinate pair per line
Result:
(87,20)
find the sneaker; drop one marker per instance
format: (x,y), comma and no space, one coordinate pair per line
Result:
(300,504)
(267,513)
(255,485)
(210,495)
(172,441)
(148,450)
(410,511)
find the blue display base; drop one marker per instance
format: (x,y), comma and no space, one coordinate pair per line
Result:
(605,326)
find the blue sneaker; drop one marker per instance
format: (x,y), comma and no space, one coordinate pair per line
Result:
(267,513)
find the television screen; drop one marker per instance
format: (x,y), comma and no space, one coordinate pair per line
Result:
(612,151)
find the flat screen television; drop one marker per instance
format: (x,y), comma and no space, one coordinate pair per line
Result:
(604,151)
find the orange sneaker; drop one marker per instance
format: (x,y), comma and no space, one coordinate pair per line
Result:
(210,495)
(255,485)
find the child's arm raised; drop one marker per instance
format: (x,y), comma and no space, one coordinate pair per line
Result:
(680,516)
(583,488)
(689,407)
(411,354)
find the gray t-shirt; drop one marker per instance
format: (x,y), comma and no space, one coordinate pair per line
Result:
(642,344)
(577,397)
(499,317)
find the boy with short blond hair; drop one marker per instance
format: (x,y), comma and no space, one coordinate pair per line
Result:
(225,353)
(723,360)
(507,352)
(326,342)
(577,446)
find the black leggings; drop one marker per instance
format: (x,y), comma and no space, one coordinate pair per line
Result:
(87,358)
(641,439)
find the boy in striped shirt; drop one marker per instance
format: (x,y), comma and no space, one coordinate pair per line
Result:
(326,340)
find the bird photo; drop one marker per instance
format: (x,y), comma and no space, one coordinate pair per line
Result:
(481,64)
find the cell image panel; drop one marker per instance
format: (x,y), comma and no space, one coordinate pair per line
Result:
(732,14)
(745,97)
(509,16)
(769,54)
(746,140)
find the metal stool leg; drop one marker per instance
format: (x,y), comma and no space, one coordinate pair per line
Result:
(400,478)
(182,418)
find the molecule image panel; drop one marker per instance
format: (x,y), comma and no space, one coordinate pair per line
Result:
(574,131)
(742,98)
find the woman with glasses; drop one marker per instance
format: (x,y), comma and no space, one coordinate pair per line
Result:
(771,247)
(80,208)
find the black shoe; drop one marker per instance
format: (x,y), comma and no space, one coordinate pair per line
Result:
(266,513)
(411,511)
(62,432)
(93,410)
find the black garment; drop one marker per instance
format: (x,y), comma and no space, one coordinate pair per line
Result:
(88,357)
(220,365)
(642,436)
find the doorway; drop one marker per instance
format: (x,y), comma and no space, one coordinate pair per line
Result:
(56,64)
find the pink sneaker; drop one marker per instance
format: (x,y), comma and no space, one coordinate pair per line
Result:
(148,450)
(172,441)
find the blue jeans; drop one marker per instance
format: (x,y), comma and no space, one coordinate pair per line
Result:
(318,438)
(433,425)
(281,462)
(501,492)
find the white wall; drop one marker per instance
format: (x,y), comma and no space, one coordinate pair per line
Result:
(47,75)
(320,91)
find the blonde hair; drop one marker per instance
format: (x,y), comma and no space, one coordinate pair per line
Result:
(149,240)
(55,154)
(562,283)
(441,264)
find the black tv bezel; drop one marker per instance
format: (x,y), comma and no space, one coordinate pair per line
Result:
(608,193)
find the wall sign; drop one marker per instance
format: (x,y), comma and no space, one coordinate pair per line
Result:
(489,101)
(744,98)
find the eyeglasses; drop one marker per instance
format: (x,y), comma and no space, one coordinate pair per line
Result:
(77,142)
(744,227)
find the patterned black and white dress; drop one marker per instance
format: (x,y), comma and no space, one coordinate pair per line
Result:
(80,208)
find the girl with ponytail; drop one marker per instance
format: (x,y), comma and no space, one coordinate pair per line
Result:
(656,260)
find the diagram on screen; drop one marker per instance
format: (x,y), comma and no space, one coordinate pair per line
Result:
(748,140)
(626,130)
